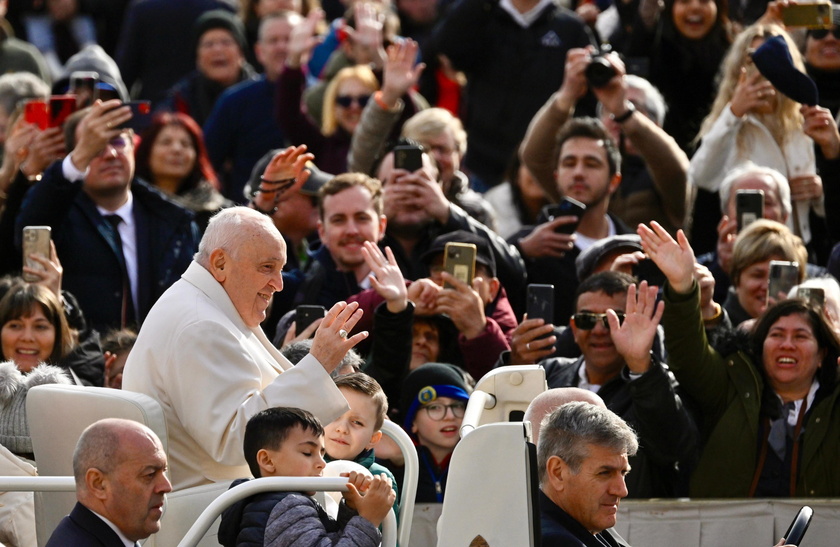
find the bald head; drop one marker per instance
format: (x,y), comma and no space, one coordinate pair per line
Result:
(120,471)
(103,444)
(544,403)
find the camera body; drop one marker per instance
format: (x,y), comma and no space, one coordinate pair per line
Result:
(599,72)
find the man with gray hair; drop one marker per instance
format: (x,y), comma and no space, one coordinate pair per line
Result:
(120,471)
(582,457)
(777,207)
(202,354)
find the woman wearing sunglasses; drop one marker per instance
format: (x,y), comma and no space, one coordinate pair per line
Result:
(822,62)
(770,402)
(344,99)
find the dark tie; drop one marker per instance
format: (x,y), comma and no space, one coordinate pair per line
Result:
(127,310)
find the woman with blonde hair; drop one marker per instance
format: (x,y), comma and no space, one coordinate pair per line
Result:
(751,120)
(344,99)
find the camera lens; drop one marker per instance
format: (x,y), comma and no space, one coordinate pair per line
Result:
(599,72)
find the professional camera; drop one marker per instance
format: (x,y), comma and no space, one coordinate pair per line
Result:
(599,72)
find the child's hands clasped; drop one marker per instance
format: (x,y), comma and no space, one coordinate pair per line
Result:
(371,497)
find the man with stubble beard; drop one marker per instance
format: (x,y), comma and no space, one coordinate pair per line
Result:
(588,170)
(351,212)
(418,212)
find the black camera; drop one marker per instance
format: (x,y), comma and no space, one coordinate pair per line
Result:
(599,71)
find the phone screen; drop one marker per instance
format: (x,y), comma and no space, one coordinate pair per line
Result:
(783,277)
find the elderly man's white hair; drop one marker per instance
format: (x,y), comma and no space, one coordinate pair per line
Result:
(751,169)
(831,291)
(225,231)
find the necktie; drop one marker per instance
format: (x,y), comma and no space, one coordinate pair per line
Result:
(127,309)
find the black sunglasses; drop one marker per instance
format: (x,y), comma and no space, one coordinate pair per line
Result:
(346,100)
(820,33)
(588,320)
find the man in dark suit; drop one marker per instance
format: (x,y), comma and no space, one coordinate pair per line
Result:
(119,467)
(121,242)
(582,457)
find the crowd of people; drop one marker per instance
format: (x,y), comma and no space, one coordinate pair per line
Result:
(252,210)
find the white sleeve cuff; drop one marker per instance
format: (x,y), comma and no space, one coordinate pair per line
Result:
(70,171)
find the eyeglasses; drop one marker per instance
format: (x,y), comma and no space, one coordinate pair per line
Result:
(587,320)
(221,42)
(437,411)
(820,33)
(117,143)
(346,100)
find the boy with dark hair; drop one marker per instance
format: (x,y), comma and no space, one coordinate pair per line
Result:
(288,442)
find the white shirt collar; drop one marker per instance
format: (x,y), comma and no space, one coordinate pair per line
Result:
(583,379)
(127,542)
(793,415)
(526,19)
(583,242)
(125,211)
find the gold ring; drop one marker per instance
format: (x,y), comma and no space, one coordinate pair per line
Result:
(108,125)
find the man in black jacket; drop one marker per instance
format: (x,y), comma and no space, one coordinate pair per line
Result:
(583,456)
(617,364)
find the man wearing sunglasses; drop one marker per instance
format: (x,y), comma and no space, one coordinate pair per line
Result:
(121,243)
(615,331)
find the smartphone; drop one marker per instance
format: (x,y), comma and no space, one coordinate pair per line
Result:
(783,277)
(459,260)
(749,207)
(83,84)
(141,116)
(36,241)
(408,157)
(799,525)
(810,15)
(814,296)
(647,270)
(566,207)
(61,107)
(306,315)
(540,302)
(36,111)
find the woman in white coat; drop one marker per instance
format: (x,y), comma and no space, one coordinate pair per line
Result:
(752,121)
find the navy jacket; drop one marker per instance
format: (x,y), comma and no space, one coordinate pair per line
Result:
(559,529)
(167,238)
(82,528)
(241,130)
